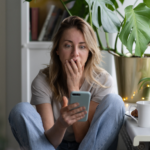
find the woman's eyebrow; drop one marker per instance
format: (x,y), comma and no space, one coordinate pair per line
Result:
(68,41)
(72,42)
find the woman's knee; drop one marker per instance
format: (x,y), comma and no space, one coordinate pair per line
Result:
(18,111)
(115,100)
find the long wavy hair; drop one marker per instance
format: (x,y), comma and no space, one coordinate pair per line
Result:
(92,67)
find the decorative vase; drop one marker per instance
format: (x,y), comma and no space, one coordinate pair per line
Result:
(129,71)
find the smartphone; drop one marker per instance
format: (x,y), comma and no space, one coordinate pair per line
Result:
(83,98)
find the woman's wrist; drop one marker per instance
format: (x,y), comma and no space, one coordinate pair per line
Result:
(55,134)
(60,125)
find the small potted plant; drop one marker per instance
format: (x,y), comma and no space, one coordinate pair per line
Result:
(133,30)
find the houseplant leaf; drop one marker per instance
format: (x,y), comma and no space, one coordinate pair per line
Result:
(143,81)
(114,3)
(147,2)
(80,8)
(136,28)
(109,19)
(122,1)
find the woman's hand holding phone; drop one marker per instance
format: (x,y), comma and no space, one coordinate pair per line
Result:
(69,114)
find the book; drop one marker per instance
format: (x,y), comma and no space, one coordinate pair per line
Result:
(60,19)
(34,23)
(52,23)
(64,15)
(43,31)
(30,18)
(56,27)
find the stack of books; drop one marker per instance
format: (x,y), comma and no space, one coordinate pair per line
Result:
(51,24)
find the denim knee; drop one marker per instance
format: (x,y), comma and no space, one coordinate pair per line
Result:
(18,110)
(114,101)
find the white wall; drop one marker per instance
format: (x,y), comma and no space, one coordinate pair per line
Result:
(3,68)
(13,61)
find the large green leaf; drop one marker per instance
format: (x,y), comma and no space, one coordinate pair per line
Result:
(111,6)
(115,3)
(109,19)
(147,2)
(80,8)
(122,1)
(136,28)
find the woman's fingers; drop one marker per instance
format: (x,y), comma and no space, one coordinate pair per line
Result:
(69,108)
(72,106)
(78,116)
(69,68)
(77,110)
(65,101)
(69,116)
(79,66)
(73,67)
(66,68)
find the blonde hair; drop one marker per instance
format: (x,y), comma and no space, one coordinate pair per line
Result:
(92,68)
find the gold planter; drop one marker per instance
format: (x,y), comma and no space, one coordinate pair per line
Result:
(129,72)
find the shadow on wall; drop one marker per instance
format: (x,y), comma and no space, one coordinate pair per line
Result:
(107,61)
(3,140)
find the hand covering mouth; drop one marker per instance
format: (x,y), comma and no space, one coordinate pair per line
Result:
(73,60)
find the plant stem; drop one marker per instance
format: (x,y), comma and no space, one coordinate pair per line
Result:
(122,49)
(116,42)
(107,39)
(66,8)
(68,1)
(135,3)
(99,40)
(90,15)
(110,49)
(116,51)
(119,13)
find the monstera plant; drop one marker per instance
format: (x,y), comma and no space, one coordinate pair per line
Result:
(133,30)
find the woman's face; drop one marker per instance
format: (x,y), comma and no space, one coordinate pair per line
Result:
(72,46)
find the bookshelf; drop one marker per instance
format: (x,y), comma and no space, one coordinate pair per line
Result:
(34,54)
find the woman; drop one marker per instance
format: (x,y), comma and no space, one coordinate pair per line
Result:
(74,66)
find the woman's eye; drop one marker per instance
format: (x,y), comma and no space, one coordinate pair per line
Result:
(67,45)
(82,47)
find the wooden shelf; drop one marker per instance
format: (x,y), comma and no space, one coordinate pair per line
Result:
(38,45)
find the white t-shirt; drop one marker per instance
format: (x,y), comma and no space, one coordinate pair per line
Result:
(41,93)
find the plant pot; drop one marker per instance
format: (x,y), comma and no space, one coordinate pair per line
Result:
(129,71)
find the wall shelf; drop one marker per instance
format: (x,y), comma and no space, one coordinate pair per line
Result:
(38,45)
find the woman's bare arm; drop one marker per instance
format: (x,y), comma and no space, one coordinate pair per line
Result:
(68,116)
(81,128)
(53,131)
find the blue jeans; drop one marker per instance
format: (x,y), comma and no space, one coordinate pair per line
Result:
(27,127)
